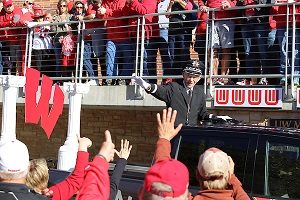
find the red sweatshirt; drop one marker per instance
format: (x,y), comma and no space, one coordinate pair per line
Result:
(68,187)
(96,183)
(163,150)
(141,8)
(279,20)
(12,36)
(117,29)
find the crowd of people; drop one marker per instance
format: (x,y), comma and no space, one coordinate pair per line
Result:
(21,178)
(112,38)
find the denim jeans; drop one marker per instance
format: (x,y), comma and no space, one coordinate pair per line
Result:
(57,52)
(282,39)
(179,52)
(255,33)
(119,56)
(154,44)
(87,51)
(98,41)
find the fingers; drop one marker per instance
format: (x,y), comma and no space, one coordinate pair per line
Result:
(174,114)
(164,116)
(129,149)
(178,128)
(122,144)
(169,114)
(158,119)
(107,136)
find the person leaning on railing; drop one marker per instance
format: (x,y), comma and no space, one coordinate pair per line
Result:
(278,25)
(223,34)
(118,47)
(59,31)
(136,7)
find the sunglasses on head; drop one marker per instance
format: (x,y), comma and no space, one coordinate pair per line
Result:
(63,6)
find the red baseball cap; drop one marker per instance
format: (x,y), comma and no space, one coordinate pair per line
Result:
(7,3)
(170,172)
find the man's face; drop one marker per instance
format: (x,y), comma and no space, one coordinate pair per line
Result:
(190,80)
(9,8)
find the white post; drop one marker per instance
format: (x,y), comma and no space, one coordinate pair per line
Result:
(68,152)
(10,86)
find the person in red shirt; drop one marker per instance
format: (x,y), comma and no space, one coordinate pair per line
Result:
(175,181)
(12,16)
(136,7)
(223,34)
(278,24)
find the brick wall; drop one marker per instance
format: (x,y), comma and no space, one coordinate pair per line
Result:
(136,124)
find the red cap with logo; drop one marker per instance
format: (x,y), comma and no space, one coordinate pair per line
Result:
(170,172)
(7,3)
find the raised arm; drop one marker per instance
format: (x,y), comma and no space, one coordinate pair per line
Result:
(119,167)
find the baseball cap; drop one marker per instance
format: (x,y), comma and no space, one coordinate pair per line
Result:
(14,156)
(193,67)
(170,172)
(7,2)
(213,162)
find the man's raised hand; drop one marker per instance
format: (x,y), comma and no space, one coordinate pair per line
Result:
(107,149)
(125,149)
(165,125)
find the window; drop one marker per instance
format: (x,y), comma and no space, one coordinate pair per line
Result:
(282,170)
(240,147)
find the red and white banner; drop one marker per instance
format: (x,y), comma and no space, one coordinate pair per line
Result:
(262,97)
(298,97)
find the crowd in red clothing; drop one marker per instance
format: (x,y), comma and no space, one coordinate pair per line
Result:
(112,42)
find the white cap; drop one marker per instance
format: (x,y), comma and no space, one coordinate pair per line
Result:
(14,156)
(213,162)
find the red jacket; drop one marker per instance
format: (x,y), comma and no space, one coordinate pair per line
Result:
(141,8)
(68,187)
(201,28)
(96,183)
(217,4)
(12,36)
(163,150)
(117,29)
(280,21)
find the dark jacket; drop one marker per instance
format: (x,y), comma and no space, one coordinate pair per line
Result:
(176,97)
(116,177)
(14,191)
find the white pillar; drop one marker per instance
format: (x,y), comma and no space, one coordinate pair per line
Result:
(68,152)
(10,86)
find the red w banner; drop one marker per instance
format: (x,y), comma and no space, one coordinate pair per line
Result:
(263,97)
(33,110)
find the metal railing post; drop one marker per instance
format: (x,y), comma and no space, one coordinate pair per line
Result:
(293,49)
(81,51)
(142,46)
(286,51)
(77,53)
(206,57)
(26,50)
(137,46)
(30,47)
(211,53)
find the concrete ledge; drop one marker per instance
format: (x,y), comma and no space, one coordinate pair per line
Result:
(125,97)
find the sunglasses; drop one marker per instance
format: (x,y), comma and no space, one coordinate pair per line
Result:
(79,7)
(29,3)
(8,6)
(63,6)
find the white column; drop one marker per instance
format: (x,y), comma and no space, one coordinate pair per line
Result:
(10,86)
(68,152)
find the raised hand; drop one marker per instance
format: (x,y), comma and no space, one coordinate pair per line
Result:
(107,149)
(84,144)
(165,125)
(125,149)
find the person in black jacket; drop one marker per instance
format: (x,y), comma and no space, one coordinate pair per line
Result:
(14,165)
(185,95)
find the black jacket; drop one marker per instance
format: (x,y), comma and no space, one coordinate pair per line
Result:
(13,191)
(176,97)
